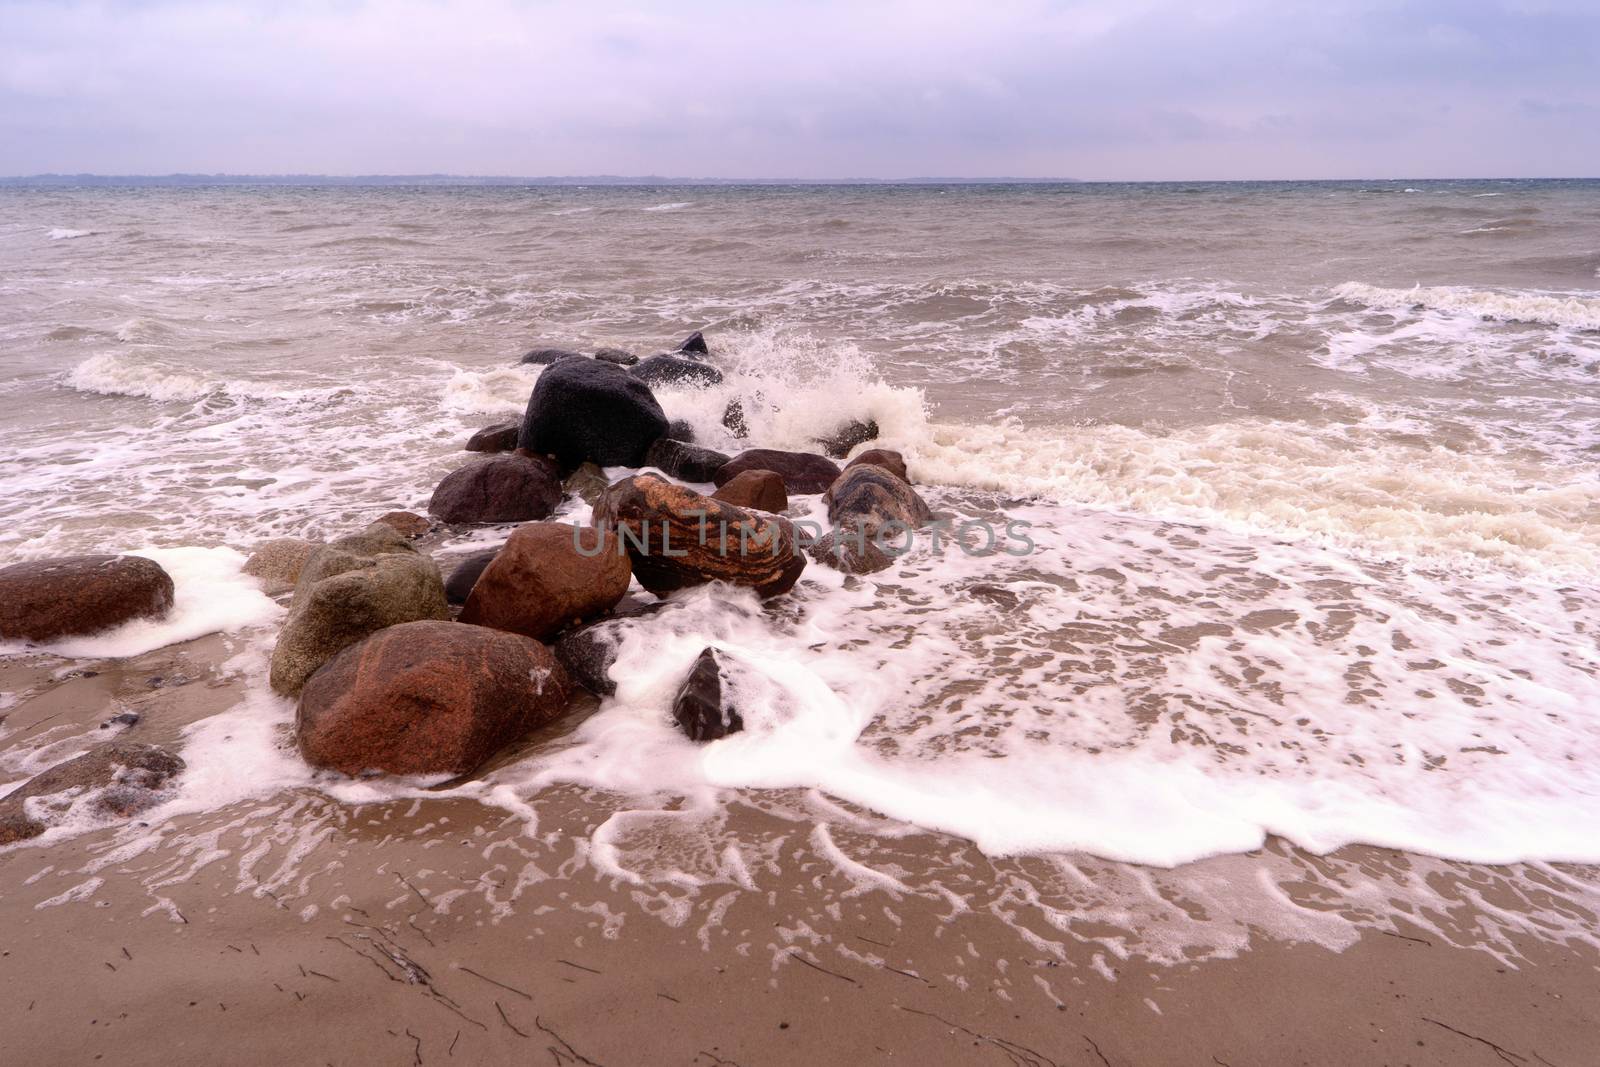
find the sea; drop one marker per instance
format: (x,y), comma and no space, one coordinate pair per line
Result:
(1308,470)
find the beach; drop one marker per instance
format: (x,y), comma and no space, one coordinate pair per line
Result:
(1276,743)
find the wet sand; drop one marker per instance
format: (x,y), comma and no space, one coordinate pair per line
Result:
(300,930)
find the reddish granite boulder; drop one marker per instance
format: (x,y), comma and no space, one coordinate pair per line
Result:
(511,487)
(540,582)
(678,538)
(75,595)
(427,698)
(762,490)
(802,472)
(888,459)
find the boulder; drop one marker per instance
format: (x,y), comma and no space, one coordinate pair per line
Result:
(586,483)
(889,460)
(676,370)
(620,356)
(540,583)
(407,523)
(348,589)
(501,437)
(762,490)
(680,430)
(733,419)
(427,698)
(685,461)
(464,575)
(589,651)
(276,563)
(872,498)
(855,432)
(75,595)
(695,345)
(678,538)
(847,552)
(510,487)
(550,355)
(802,472)
(702,707)
(118,779)
(591,411)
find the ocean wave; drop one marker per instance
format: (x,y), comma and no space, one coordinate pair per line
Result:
(61,233)
(1577,311)
(677,205)
(116,374)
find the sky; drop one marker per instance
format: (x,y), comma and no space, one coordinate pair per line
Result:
(1123,90)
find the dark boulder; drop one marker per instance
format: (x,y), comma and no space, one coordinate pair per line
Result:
(501,437)
(680,430)
(702,706)
(550,355)
(874,499)
(889,460)
(685,461)
(465,574)
(591,411)
(733,419)
(70,596)
(118,779)
(510,487)
(678,538)
(839,443)
(427,698)
(762,490)
(543,581)
(695,345)
(802,472)
(620,356)
(675,370)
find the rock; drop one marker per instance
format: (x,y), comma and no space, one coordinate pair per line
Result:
(348,589)
(589,651)
(702,707)
(839,443)
(586,483)
(510,487)
(762,490)
(427,698)
(465,575)
(733,419)
(550,355)
(876,500)
(591,411)
(680,430)
(695,345)
(127,718)
(891,461)
(501,437)
(620,356)
(844,551)
(684,461)
(678,538)
(540,583)
(406,523)
(802,472)
(121,779)
(675,370)
(276,564)
(74,595)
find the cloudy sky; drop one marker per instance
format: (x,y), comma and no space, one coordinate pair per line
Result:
(739,88)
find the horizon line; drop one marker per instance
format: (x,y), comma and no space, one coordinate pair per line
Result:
(306,178)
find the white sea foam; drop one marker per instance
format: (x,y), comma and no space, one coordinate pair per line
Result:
(677,205)
(1577,311)
(64,234)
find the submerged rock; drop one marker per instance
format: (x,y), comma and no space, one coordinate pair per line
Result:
(702,707)
(839,443)
(276,563)
(695,345)
(874,499)
(679,538)
(427,698)
(675,370)
(733,419)
(540,583)
(407,523)
(680,430)
(762,490)
(802,472)
(589,651)
(849,552)
(550,355)
(586,483)
(689,462)
(348,589)
(590,411)
(511,487)
(71,596)
(501,437)
(620,356)
(118,779)
(889,460)
(464,575)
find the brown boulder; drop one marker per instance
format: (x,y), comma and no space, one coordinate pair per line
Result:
(762,490)
(678,538)
(427,698)
(276,564)
(875,500)
(539,583)
(406,523)
(501,437)
(74,595)
(847,552)
(119,779)
(511,487)
(888,459)
(802,472)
